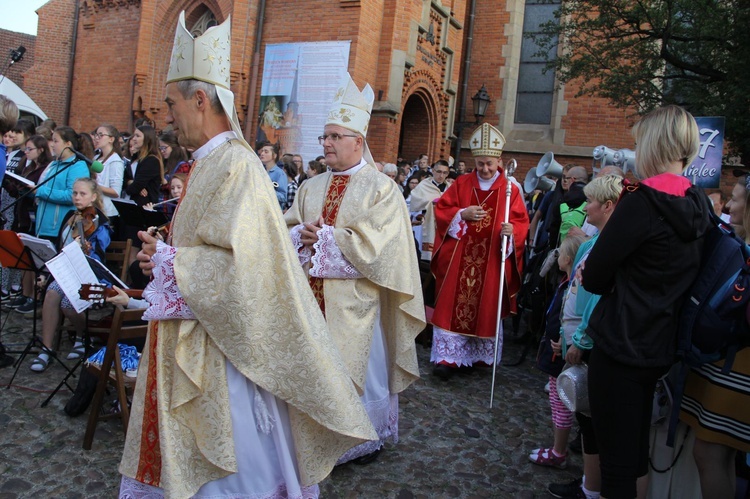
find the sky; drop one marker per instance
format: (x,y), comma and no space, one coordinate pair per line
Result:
(20,15)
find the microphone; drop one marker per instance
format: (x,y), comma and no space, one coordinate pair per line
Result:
(95,166)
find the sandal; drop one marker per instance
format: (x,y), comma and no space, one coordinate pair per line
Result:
(39,365)
(78,351)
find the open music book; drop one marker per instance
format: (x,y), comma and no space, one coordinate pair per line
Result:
(41,250)
(72,268)
(21,179)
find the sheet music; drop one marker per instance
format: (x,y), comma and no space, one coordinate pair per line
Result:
(19,178)
(112,278)
(42,250)
(71,269)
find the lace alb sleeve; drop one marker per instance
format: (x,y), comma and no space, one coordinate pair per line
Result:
(303,252)
(162,292)
(457,227)
(328,262)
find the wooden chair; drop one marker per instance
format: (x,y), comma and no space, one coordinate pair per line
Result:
(116,257)
(111,370)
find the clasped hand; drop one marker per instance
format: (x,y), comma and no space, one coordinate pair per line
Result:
(309,233)
(475,213)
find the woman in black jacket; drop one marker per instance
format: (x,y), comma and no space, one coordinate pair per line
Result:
(643,263)
(145,176)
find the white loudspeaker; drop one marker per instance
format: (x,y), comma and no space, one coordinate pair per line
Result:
(548,166)
(533,182)
(625,159)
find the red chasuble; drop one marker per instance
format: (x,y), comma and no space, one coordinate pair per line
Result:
(467,270)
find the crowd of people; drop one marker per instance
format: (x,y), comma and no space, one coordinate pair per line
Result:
(236,396)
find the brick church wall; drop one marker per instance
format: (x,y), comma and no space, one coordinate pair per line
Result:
(47,80)
(104,67)
(10,40)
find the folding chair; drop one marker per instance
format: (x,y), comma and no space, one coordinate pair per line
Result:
(111,369)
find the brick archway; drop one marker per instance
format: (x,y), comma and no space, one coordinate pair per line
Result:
(423,116)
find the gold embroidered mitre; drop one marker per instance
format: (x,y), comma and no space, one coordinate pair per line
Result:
(351,108)
(205,58)
(487,141)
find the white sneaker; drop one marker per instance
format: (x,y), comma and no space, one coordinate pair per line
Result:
(546,387)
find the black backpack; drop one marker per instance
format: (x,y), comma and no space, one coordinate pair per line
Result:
(712,322)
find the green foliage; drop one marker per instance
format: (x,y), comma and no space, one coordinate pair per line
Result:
(643,54)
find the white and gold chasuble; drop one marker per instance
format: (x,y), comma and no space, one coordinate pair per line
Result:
(373,231)
(237,271)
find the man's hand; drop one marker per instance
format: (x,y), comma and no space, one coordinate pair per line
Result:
(143,192)
(417,221)
(507,229)
(574,355)
(148,249)
(309,235)
(473,213)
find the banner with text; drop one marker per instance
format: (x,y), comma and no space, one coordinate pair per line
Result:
(299,82)
(705,170)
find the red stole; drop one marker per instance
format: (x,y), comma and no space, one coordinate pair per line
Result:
(334,196)
(149,461)
(467,270)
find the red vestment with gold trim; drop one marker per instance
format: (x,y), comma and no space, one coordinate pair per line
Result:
(467,270)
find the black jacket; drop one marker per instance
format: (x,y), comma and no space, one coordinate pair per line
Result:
(148,176)
(643,263)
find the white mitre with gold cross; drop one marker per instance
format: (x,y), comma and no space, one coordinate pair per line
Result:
(487,141)
(351,109)
(206,58)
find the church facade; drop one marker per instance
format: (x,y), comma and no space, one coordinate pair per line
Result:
(105,61)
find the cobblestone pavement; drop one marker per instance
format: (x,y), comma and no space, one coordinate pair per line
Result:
(451,444)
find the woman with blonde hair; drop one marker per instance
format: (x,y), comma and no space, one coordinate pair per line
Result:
(643,263)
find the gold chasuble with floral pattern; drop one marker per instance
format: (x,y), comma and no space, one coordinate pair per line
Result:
(237,271)
(373,231)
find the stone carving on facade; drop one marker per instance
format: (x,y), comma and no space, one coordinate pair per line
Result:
(89,7)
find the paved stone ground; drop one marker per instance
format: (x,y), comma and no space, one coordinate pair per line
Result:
(451,444)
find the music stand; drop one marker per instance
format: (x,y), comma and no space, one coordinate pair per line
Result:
(15,255)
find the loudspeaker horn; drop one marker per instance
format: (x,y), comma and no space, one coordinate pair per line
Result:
(533,182)
(625,159)
(548,166)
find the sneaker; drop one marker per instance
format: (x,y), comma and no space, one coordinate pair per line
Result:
(566,490)
(546,387)
(545,457)
(27,308)
(17,302)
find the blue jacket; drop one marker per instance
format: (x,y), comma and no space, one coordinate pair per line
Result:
(278,177)
(56,196)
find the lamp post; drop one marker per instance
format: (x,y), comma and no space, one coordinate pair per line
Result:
(480,102)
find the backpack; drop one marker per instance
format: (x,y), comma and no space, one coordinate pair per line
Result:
(712,324)
(570,217)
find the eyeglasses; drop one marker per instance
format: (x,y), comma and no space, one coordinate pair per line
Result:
(334,137)
(438,172)
(100,135)
(163,148)
(29,149)
(297,161)
(569,179)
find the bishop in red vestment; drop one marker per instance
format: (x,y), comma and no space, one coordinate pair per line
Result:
(468,255)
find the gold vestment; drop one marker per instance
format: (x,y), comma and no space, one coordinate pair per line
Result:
(373,231)
(239,274)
